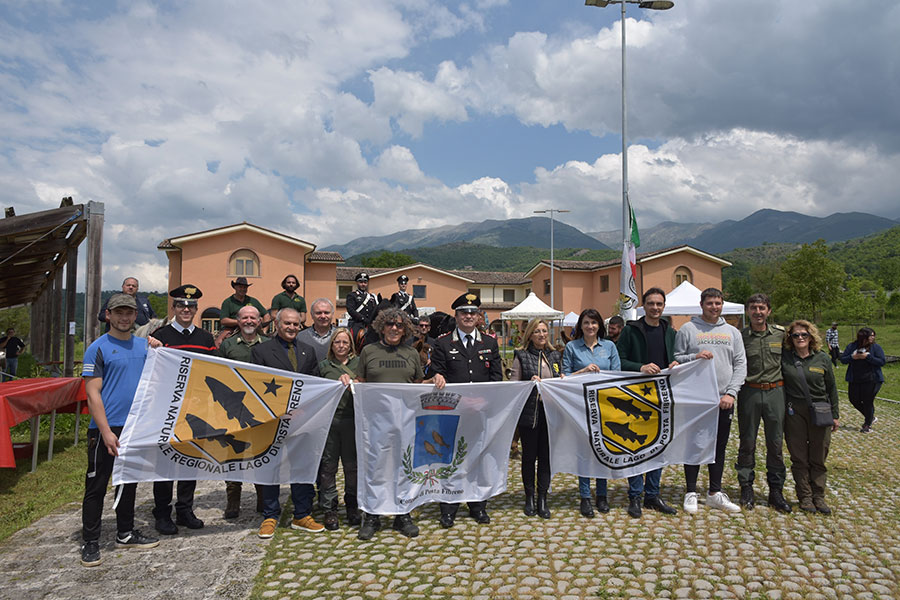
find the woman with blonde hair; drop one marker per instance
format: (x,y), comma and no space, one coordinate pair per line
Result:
(341,441)
(536,359)
(808,377)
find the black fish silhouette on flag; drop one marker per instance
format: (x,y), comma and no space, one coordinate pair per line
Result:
(204,431)
(625,432)
(232,402)
(628,407)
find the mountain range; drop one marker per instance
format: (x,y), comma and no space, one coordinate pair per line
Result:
(763,226)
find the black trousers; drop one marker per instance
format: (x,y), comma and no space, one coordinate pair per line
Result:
(862,397)
(99,470)
(691,472)
(536,449)
(162,497)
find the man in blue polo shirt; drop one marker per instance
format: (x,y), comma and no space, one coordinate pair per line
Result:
(112,369)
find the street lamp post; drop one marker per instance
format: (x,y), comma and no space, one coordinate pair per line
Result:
(658,5)
(551,211)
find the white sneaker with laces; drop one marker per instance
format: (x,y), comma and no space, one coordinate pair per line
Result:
(720,500)
(690,502)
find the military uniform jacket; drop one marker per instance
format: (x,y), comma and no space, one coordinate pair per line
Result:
(198,340)
(450,358)
(361,306)
(763,350)
(406,303)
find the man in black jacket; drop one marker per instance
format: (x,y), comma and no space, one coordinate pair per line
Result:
(466,356)
(286,353)
(144,310)
(361,305)
(404,301)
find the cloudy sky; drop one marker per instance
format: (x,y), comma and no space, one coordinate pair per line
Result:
(333,120)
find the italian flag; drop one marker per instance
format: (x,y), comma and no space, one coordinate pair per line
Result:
(628,291)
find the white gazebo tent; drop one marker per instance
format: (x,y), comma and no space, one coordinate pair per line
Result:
(685,300)
(531,307)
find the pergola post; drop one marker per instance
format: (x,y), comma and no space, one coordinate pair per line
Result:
(93,271)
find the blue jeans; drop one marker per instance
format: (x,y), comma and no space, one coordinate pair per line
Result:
(650,489)
(584,487)
(301,494)
(12,365)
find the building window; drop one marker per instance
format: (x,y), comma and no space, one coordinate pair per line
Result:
(681,275)
(527,291)
(604,283)
(419,291)
(209,319)
(546,287)
(509,295)
(344,290)
(243,263)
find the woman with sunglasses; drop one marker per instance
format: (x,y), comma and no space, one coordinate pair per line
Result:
(390,360)
(340,445)
(864,377)
(804,361)
(588,352)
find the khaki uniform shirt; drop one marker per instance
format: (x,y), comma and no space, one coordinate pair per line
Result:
(763,350)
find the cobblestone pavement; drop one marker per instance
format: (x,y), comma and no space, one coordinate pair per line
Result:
(854,553)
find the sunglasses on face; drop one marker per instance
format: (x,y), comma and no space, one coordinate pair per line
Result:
(395,324)
(181,306)
(800,336)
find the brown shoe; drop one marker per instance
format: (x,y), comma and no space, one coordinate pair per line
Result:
(806,505)
(307,523)
(820,506)
(267,529)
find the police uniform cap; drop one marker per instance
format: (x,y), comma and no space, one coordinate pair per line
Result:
(120,300)
(403,279)
(466,302)
(186,293)
(361,277)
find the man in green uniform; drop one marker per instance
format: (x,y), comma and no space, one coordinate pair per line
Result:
(762,398)
(240,347)
(289,298)
(232,304)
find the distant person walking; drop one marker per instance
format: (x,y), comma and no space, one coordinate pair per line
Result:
(864,377)
(834,346)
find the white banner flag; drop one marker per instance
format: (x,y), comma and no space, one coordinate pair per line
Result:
(203,417)
(617,424)
(416,444)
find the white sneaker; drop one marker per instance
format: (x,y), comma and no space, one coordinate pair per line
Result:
(720,500)
(690,502)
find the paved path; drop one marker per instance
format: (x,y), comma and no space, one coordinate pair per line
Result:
(855,553)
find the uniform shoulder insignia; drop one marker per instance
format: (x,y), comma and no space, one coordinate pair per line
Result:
(443,335)
(778,327)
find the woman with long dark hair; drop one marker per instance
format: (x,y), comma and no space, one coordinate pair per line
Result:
(864,377)
(588,352)
(537,359)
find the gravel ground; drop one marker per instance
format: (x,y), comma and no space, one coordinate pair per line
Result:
(854,553)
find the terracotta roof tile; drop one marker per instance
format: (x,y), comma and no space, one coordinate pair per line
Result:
(325,256)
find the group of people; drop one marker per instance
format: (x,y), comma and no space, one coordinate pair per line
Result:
(769,373)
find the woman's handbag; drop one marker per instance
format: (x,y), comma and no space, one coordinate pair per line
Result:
(819,412)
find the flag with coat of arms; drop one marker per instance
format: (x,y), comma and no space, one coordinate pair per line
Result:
(632,239)
(203,417)
(416,444)
(618,424)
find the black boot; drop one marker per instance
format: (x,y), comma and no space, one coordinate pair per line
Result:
(529,505)
(353,518)
(542,510)
(602,504)
(587,509)
(777,501)
(634,507)
(370,524)
(747,500)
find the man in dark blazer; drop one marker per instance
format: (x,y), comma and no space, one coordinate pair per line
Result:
(286,353)
(464,355)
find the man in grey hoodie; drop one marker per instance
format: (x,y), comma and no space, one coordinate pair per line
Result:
(709,337)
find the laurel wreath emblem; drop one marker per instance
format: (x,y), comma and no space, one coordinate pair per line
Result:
(432,475)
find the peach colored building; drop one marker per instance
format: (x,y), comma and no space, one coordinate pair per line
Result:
(212,259)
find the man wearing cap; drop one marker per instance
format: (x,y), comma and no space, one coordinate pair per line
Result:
(240,347)
(404,301)
(361,304)
(233,303)
(289,298)
(112,369)
(834,346)
(286,353)
(144,310)
(180,334)
(464,355)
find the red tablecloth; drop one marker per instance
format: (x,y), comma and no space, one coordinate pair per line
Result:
(24,398)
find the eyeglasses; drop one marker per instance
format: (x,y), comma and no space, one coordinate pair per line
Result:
(395,324)
(425,325)
(800,336)
(182,306)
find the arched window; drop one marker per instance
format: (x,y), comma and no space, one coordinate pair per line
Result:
(681,275)
(243,262)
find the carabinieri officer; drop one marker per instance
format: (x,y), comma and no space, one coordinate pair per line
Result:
(464,355)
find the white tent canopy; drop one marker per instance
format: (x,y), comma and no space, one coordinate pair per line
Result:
(685,300)
(531,308)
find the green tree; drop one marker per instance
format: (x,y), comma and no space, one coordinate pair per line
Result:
(738,290)
(808,281)
(159,304)
(889,273)
(388,259)
(762,279)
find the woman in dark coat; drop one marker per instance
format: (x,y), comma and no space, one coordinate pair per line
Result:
(864,377)
(535,361)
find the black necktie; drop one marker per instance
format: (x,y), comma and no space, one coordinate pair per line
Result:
(186,333)
(468,341)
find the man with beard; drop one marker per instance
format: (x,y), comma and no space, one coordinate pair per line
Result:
(289,298)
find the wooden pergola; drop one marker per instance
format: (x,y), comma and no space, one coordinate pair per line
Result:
(35,250)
